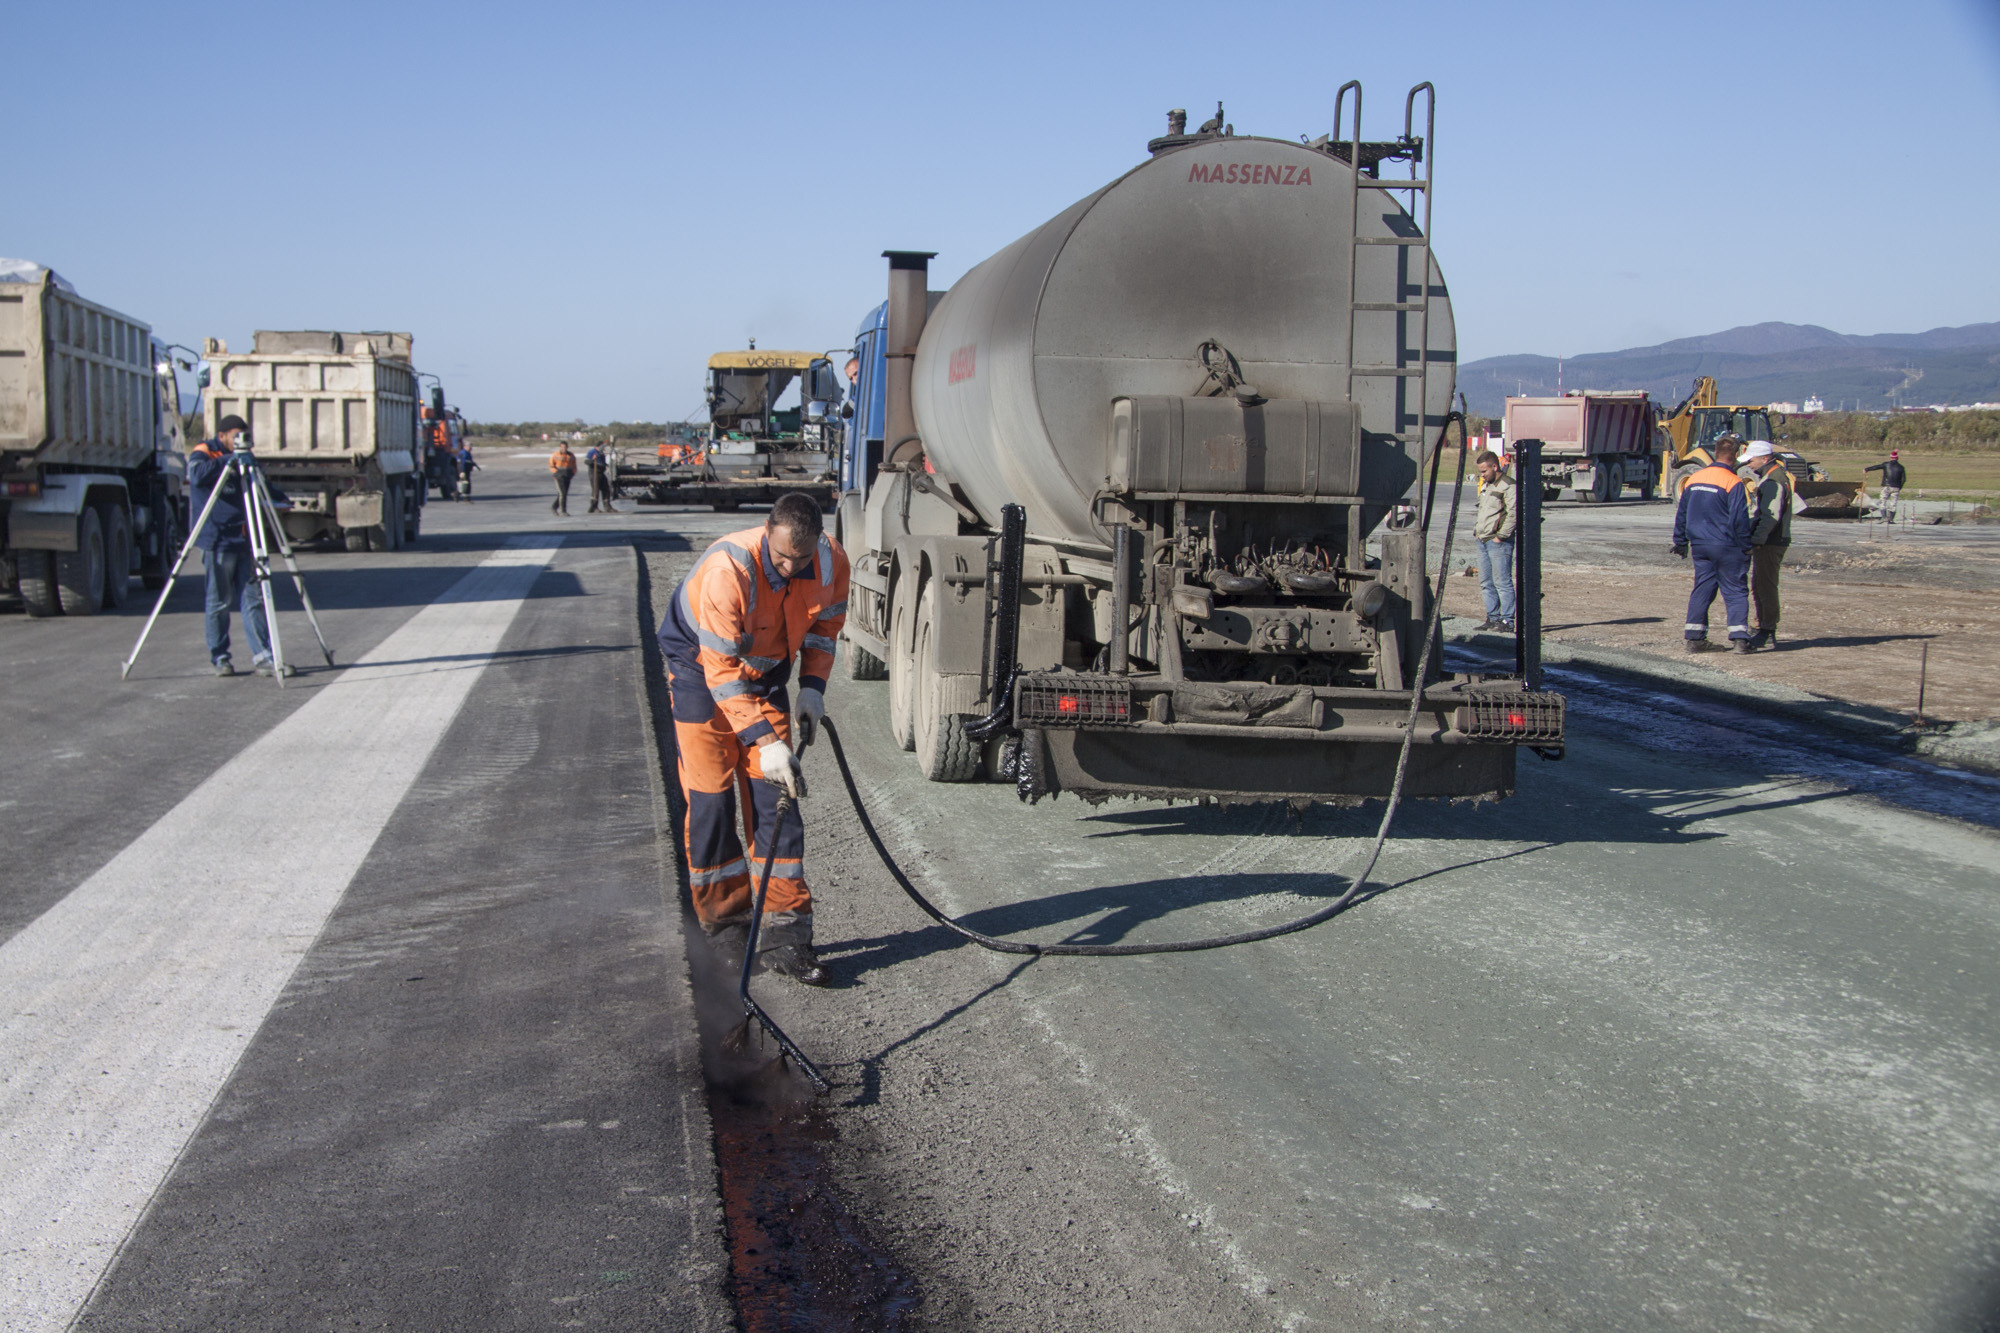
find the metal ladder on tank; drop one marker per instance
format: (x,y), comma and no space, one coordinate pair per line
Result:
(1415,257)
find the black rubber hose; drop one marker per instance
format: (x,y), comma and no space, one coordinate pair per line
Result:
(1327,913)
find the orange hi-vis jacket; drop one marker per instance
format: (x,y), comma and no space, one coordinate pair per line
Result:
(736,625)
(562,460)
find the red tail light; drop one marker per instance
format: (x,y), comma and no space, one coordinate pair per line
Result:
(1067,704)
(1517,719)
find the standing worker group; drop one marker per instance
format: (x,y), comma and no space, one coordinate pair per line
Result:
(1494,530)
(753,602)
(1712,520)
(1771,494)
(226,556)
(1893,478)
(562,466)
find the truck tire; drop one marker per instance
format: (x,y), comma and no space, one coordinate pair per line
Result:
(117,555)
(35,574)
(80,573)
(902,697)
(862,664)
(944,751)
(413,518)
(355,539)
(1551,492)
(169,524)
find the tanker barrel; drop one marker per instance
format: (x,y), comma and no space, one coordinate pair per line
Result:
(909,304)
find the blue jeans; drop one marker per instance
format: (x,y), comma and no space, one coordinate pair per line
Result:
(1496,578)
(229,584)
(1726,570)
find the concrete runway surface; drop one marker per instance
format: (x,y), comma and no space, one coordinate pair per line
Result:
(364,1003)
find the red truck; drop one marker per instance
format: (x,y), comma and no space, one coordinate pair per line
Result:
(1594,443)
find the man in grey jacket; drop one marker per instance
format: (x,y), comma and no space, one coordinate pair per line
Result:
(1494,529)
(1770,534)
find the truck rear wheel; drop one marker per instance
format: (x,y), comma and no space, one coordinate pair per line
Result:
(1649,484)
(117,556)
(355,539)
(167,523)
(902,713)
(862,664)
(80,573)
(944,751)
(35,574)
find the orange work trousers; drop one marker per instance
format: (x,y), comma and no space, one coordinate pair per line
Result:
(718,773)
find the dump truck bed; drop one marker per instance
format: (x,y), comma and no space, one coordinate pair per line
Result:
(76,380)
(327,399)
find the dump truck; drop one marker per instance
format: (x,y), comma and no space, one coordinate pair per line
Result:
(1134,521)
(92,460)
(333,417)
(754,451)
(1594,442)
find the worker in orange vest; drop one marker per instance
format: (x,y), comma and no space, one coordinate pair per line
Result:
(755,601)
(562,466)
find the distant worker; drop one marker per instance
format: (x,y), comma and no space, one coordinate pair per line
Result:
(1494,531)
(755,600)
(1771,492)
(599,462)
(1892,484)
(1712,520)
(562,466)
(225,550)
(466,467)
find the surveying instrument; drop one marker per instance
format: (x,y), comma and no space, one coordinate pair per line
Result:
(241,475)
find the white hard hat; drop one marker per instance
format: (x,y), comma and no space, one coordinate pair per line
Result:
(1757,451)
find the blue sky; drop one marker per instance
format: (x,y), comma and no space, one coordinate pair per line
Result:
(571,205)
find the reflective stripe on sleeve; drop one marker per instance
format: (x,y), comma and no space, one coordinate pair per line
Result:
(819,641)
(761,664)
(729,690)
(837,609)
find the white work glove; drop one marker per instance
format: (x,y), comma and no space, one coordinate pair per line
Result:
(812,707)
(781,766)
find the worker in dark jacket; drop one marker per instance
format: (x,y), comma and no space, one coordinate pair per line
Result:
(1712,521)
(225,549)
(1771,492)
(1892,484)
(598,460)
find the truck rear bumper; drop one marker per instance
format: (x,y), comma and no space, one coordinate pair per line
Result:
(1163,763)
(1127,736)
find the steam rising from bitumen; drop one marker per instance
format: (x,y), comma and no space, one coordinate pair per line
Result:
(737,1057)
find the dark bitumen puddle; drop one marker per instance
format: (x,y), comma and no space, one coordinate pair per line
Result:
(799,1257)
(1658,719)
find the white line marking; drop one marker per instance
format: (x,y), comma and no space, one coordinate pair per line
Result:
(124,1008)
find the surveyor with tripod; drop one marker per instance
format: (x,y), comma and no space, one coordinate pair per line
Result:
(225,548)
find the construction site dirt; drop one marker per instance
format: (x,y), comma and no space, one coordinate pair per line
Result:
(1871,610)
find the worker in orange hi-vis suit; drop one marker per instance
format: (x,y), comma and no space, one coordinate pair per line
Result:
(754,601)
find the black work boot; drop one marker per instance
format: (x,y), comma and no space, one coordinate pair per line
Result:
(729,943)
(1697,645)
(1763,638)
(799,962)
(1741,646)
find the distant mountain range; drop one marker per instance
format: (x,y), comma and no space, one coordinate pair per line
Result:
(1763,363)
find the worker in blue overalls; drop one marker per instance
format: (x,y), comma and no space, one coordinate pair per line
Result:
(1712,520)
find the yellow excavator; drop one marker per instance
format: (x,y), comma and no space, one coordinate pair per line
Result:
(1693,426)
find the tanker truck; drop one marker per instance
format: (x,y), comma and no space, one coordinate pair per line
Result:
(334,419)
(1131,519)
(92,468)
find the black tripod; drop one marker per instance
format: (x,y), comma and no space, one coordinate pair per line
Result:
(260,521)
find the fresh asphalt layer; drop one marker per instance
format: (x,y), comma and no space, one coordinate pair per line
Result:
(362,1002)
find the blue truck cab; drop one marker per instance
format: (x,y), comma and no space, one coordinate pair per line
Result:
(861,452)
